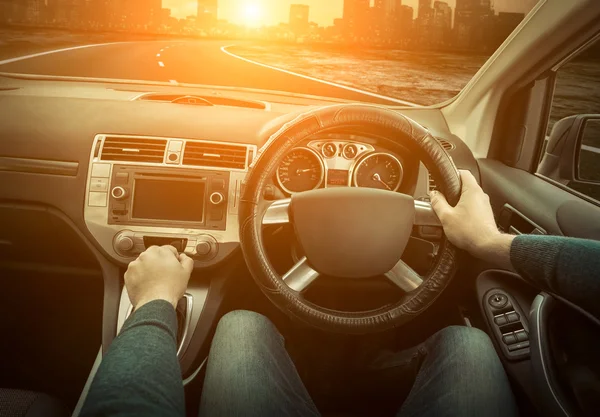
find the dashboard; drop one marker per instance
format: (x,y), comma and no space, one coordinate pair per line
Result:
(145,190)
(130,173)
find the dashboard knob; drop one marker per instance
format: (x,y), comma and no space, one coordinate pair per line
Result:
(216,198)
(124,244)
(206,248)
(119,193)
(203,248)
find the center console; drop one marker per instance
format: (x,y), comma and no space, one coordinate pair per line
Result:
(145,191)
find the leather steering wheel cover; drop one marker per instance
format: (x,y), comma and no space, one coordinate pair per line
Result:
(368,119)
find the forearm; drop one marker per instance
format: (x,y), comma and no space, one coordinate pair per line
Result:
(566,267)
(140,374)
(495,250)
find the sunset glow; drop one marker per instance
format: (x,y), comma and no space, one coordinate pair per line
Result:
(253,14)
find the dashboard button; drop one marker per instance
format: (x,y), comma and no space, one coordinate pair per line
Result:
(101,170)
(119,193)
(99,184)
(203,248)
(97,199)
(216,215)
(122,178)
(217,198)
(124,244)
(218,185)
(206,247)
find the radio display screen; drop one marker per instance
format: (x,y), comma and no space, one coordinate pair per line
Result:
(169,200)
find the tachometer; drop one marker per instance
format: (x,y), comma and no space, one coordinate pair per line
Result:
(301,170)
(379,170)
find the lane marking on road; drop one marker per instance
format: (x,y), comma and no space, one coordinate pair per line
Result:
(174,82)
(590,148)
(158,55)
(345,87)
(160,64)
(73,48)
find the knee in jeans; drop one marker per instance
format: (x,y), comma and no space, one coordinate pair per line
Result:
(468,340)
(243,323)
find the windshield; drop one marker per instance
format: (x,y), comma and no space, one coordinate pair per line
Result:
(384,51)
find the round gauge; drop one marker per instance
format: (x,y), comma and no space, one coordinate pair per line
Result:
(329,150)
(350,151)
(379,170)
(300,170)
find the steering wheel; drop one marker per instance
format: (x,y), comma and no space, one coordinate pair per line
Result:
(351,233)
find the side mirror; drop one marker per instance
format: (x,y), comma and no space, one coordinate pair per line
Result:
(572,153)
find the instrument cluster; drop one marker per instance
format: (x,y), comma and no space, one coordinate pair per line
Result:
(339,163)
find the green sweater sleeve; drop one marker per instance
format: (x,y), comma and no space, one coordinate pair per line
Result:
(140,374)
(566,267)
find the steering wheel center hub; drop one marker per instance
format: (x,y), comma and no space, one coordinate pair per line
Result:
(352,232)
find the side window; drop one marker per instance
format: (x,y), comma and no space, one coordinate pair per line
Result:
(571,154)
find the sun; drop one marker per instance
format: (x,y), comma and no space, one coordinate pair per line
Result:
(252,14)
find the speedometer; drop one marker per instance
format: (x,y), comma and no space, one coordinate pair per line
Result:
(301,170)
(379,170)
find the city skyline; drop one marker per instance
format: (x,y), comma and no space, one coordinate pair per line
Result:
(323,12)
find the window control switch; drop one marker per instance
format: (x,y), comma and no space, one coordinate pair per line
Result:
(508,323)
(512,317)
(509,339)
(517,346)
(500,320)
(522,336)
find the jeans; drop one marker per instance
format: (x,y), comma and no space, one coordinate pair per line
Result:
(250,373)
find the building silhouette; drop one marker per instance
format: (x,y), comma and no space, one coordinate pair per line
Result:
(473,20)
(441,29)
(356,17)
(298,22)
(208,13)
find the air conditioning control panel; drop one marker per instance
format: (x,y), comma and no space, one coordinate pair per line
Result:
(133,202)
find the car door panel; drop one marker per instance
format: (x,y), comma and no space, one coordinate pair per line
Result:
(557,211)
(553,210)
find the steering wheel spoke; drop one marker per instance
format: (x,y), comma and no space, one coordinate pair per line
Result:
(424,215)
(277,212)
(300,276)
(404,277)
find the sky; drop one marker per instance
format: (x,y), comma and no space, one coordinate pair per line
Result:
(272,12)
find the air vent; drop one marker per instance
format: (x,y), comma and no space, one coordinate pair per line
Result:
(448,146)
(215,155)
(133,150)
(432,184)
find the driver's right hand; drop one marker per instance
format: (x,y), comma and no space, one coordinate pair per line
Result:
(470,225)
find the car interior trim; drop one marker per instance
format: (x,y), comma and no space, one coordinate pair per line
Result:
(88,384)
(193,376)
(539,310)
(39,166)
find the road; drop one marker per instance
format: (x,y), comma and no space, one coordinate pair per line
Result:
(198,62)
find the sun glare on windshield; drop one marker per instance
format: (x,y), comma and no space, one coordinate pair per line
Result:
(390,52)
(253,14)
